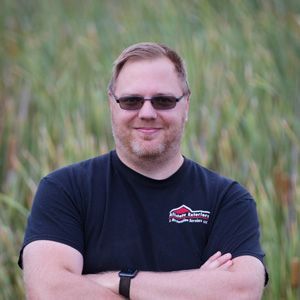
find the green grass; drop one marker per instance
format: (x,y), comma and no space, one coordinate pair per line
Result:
(243,59)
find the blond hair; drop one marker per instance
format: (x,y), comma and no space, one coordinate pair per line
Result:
(149,50)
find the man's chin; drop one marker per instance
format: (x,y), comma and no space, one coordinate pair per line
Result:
(147,151)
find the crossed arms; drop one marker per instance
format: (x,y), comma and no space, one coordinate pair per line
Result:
(54,271)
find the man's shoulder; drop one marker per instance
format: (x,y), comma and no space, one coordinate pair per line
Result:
(214,180)
(208,173)
(80,170)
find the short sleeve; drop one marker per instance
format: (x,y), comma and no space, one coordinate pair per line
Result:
(55,216)
(235,226)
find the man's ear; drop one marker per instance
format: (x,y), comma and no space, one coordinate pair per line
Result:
(187,109)
(109,96)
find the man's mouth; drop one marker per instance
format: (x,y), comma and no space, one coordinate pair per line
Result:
(148,130)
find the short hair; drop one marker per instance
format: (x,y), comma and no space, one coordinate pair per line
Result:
(147,50)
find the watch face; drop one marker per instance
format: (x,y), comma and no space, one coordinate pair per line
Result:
(128,273)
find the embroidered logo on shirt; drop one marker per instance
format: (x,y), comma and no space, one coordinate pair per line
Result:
(184,214)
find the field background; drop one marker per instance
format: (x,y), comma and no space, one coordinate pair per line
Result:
(243,59)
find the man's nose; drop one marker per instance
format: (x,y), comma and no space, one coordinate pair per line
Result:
(147,111)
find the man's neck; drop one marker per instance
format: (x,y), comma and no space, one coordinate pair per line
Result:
(156,168)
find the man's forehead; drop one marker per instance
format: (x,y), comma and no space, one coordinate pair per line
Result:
(148,77)
(136,63)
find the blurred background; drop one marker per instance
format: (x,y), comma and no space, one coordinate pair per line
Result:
(243,60)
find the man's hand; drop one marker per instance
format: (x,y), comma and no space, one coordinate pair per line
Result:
(218,261)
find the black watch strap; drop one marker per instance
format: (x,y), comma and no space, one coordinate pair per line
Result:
(125,280)
(124,287)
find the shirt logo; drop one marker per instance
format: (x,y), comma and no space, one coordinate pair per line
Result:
(184,214)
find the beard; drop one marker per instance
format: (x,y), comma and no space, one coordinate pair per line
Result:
(148,149)
(142,150)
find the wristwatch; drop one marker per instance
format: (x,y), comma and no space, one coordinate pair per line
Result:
(125,278)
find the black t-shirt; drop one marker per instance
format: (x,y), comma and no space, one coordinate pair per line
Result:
(118,218)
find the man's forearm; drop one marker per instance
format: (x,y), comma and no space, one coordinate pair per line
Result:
(241,279)
(65,285)
(219,278)
(192,284)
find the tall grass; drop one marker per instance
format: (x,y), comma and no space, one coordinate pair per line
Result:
(243,59)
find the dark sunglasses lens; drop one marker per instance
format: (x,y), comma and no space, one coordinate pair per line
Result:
(163,102)
(131,103)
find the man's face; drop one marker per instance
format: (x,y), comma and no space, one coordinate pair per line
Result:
(148,133)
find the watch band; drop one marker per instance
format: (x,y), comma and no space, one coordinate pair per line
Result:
(125,280)
(124,287)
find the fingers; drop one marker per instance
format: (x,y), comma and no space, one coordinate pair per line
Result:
(218,261)
(226,265)
(212,259)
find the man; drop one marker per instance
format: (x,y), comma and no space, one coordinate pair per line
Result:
(174,229)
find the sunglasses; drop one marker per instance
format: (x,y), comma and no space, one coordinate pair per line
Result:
(160,102)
